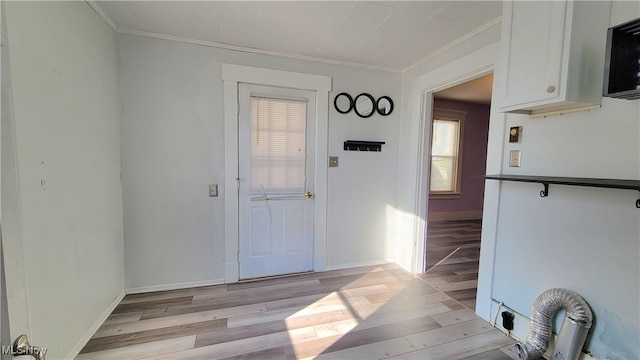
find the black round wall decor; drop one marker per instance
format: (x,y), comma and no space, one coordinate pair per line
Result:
(343,103)
(364,105)
(384,105)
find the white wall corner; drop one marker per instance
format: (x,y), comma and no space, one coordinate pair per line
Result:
(96,325)
(102,14)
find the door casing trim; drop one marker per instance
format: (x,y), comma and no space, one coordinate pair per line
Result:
(232,75)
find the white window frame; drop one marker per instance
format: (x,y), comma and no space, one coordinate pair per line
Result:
(459,117)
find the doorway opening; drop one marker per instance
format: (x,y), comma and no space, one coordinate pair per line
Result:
(458,153)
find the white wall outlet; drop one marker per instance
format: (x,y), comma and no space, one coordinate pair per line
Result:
(213,190)
(514,158)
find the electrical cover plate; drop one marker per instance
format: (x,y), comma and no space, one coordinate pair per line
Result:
(514,158)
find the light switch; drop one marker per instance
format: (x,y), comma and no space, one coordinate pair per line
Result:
(213,190)
(514,158)
(333,161)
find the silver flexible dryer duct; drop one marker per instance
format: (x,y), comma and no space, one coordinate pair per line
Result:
(573,333)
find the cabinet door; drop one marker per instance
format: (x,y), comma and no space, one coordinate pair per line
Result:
(533,34)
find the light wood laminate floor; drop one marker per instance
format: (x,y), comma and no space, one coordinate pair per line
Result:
(453,254)
(376,312)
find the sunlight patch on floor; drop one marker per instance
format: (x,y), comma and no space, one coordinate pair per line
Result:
(351,302)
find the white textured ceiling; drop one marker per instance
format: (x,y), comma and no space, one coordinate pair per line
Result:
(393,35)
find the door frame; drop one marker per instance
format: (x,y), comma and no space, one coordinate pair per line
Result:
(474,65)
(232,75)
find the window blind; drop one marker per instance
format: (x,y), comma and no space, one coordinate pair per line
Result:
(278,145)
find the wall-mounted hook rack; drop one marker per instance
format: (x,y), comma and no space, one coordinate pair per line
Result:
(589,182)
(361,145)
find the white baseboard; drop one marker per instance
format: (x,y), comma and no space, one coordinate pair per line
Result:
(454,215)
(231,272)
(521,329)
(358,264)
(146,289)
(92,330)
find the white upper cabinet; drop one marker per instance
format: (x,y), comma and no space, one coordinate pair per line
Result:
(552,55)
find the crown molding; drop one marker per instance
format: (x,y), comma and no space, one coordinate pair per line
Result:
(490,24)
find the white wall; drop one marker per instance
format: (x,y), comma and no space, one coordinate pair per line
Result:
(64,253)
(582,239)
(173,146)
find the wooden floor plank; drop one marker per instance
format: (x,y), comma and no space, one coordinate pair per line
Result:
(495,354)
(453,253)
(112,342)
(454,317)
(376,350)
(158,349)
(459,349)
(358,337)
(371,312)
(143,325)
(447,334)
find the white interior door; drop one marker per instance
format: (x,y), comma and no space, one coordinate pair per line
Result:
(19,324)
(276,187)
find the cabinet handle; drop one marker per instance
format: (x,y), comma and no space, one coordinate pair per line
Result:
(551,88)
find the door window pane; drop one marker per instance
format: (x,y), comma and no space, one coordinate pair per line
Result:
(278,140)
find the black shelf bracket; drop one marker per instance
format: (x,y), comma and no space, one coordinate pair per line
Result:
(571,181)
(545,192)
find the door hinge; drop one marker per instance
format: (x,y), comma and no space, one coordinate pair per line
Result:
(238,256)
(238,108)
(238,184)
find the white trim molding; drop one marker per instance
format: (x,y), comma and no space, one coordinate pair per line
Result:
(359,264)
(177,286)
(219,45)
(454,215)
(232,75)
(420,98)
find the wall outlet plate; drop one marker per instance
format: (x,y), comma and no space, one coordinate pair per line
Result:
(514,158)
(333,161)
(213,190)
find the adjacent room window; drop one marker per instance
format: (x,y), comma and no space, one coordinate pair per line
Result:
(278,140)
(446,153)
